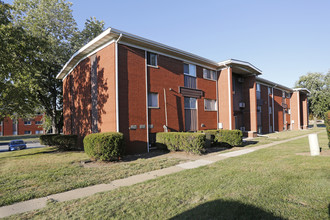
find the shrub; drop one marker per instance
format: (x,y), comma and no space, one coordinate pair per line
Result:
(327,124)
(209,137)
(62,142)
(223,137)
(66,142)
(181,141)
(104,146)
(231,137)
(48,139)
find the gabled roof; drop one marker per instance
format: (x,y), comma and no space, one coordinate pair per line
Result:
(110,35)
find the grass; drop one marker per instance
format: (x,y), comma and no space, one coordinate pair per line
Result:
(5,139)
(35,173)
(272,183)
(280,136)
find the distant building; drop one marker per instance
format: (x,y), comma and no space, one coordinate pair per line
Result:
(33,126)
(126,83)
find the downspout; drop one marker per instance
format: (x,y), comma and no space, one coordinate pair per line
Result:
(117,89)
(147,110)
(229,101)
(273,108)
(216,88)
(298,99)
(268,109)
(166,124)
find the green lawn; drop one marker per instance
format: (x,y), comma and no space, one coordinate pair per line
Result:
(35,173)
(5,139)
(272,183)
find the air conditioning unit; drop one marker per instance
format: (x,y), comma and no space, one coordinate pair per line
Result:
(242,129)
(240,80)
(242,104)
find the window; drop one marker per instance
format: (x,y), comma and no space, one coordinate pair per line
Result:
(283,94)
(189,76)
(258,87)
(259,108)
(209,74)
(269,91)
(190,103)
(39,132)
(27,132)
(189,69)
(152,59)
(270,110)
(210,105)
(288,95)
(27,122)
(258,91)
(38,122)
(152,100)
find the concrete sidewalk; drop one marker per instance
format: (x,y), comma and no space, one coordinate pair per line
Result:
(87,191)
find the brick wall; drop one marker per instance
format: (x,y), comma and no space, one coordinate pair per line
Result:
(132,97)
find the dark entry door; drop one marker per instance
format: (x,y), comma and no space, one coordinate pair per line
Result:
(190,109)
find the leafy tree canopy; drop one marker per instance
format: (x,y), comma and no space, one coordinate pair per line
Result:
(319,86)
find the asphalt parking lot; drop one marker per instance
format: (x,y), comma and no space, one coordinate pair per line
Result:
(4,148)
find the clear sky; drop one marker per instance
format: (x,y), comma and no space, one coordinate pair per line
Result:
(283,38)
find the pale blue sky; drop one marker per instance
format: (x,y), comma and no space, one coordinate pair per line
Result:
(283,38)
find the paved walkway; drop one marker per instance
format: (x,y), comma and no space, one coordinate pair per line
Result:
(87,191)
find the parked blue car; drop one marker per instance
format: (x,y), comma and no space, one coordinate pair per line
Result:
(16,145)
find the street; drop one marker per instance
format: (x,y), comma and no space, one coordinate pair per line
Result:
(4,148)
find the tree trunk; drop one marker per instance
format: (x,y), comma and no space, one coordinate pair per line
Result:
(54,127)
(315,119)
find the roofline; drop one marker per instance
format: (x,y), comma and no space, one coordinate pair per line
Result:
(273,84)
(302,90)
(111,33)
(239,62)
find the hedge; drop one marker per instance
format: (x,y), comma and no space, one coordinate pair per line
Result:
(47,139)
(327,124)
(62,142)
(181,141)
(104,146)
(223,137)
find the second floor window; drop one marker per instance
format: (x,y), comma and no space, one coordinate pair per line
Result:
(152,59)
(209,74)
(189,71)
(258,91)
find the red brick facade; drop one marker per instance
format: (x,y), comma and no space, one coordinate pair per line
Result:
(122,67)
(18,127)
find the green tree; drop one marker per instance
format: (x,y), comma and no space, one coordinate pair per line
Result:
(18,57)
(92,29)
(319,86)
(50,21)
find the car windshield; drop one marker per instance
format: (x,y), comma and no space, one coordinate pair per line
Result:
(17,142)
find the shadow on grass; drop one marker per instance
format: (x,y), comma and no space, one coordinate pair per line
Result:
(221,209)
(50,151)
(247,143)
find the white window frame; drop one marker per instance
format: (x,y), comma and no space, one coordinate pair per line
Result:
(153,93)
(30,132)
(191,68)
(215,105)
(156,55)
(211,73)
(190,98)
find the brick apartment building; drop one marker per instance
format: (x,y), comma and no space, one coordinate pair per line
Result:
(126,83)
(10,126)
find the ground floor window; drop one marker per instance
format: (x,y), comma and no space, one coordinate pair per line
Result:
(210,105)
(152,100)
(27,132)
